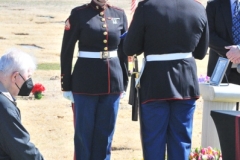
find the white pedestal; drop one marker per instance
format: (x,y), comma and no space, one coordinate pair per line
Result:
(216,98)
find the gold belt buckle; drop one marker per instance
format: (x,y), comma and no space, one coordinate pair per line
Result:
(105,54)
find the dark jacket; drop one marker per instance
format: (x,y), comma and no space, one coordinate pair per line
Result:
(220,28)
(162,27)
(94,76)
(14,139)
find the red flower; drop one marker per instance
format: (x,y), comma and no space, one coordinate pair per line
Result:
(38,88)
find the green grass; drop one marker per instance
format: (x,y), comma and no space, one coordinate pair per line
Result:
(48,66)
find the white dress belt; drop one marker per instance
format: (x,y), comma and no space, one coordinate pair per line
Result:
(167,57)
(100,55)
(161,57)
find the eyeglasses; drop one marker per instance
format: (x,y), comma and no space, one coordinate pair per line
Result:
(29,76)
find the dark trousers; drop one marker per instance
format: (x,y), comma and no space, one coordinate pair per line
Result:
(168,123)
(234,76)
(95,118)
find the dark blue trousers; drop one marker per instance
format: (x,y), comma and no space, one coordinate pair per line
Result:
(95,118)
(168,124)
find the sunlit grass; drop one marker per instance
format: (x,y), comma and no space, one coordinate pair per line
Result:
(48,66)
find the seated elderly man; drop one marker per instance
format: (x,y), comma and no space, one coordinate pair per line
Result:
(16,68)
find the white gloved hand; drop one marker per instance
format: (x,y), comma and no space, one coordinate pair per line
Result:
(68,95)
(122,95)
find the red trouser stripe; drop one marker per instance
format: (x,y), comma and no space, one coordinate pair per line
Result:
(74,156)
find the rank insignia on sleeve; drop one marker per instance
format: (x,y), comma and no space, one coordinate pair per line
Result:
(67,25)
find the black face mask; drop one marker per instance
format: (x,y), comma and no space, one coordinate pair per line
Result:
(26,88)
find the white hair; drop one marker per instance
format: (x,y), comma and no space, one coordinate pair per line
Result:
(16,61)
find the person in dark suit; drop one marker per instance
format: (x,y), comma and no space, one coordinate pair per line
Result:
(170,42)
(16,69)
(99,75)
(220,14)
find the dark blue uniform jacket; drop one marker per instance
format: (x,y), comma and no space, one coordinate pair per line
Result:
(168,26)
(95,29)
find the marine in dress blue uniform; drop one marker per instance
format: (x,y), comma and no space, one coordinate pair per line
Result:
(99,75)
(170,42)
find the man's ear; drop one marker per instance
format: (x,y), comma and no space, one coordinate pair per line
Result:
(14,76)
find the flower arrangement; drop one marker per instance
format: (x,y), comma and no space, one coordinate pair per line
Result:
(203,79)
(205,154)
(37,90)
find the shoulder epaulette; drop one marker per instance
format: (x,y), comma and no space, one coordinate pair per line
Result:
(114,7)
(142,2)
(80,7)
(198,2)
